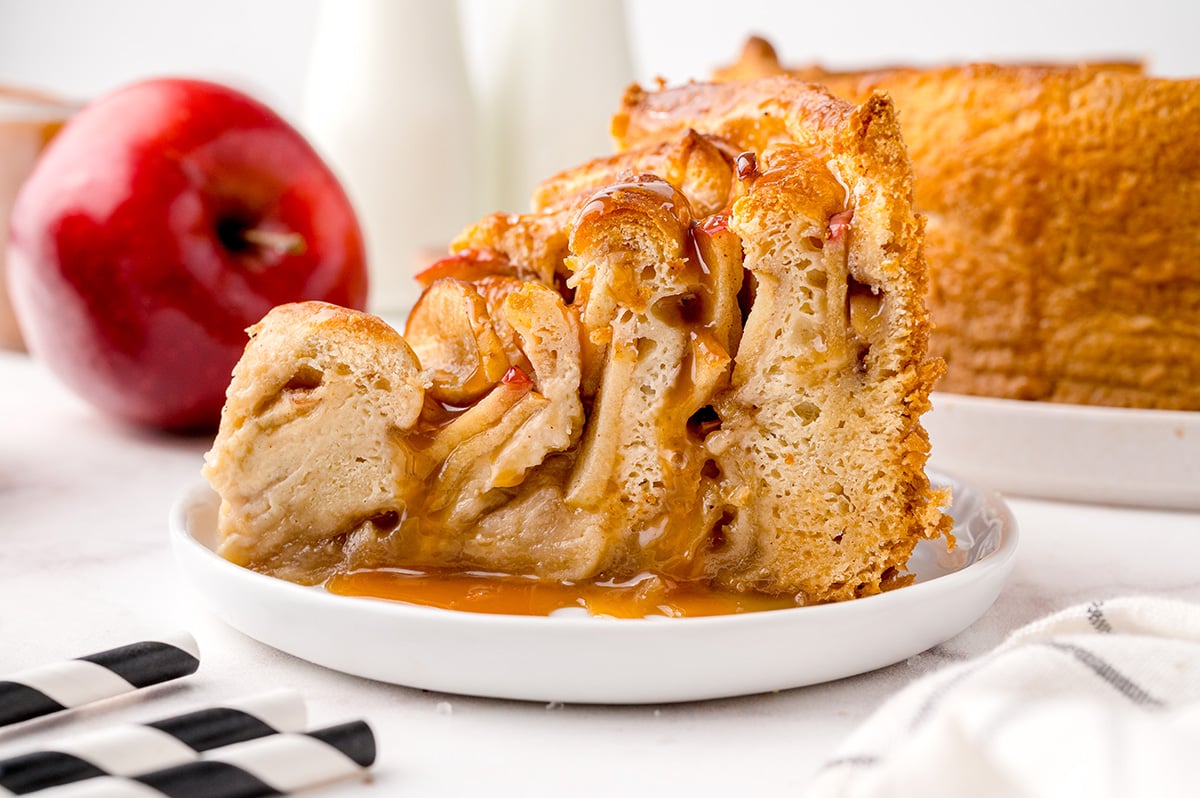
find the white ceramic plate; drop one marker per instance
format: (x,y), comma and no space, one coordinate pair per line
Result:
(603,660)
(1106,455)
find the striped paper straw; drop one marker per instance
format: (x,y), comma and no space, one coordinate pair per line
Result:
(75,682)
(275,765)
(131,749)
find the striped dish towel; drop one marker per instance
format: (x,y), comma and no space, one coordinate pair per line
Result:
(1099,700)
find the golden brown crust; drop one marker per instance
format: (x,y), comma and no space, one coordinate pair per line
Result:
(750,115)
(701,166)
(758,59)
(534,245)
(1062,210)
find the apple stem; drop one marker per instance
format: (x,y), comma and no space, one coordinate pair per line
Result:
(282,242)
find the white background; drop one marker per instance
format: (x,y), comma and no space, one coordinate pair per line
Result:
(81,48)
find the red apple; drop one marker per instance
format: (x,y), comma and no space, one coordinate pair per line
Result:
(161,222)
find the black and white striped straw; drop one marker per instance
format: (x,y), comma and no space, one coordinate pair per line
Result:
(72,683)
(127,750)
(275,765)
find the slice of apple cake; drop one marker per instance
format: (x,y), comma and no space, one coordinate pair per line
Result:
(703,357)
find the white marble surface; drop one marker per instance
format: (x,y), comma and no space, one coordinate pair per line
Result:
(85,565)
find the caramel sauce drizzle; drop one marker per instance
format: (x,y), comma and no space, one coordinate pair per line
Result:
(499,594)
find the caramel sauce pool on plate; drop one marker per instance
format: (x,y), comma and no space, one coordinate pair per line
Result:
(514,595)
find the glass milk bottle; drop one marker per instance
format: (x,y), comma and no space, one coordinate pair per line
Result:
(389,105)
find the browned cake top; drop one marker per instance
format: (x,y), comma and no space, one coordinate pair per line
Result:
(1062,223)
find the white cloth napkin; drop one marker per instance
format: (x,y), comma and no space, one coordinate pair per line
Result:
(1099,700)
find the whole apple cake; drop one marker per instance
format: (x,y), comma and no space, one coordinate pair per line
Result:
(702,357)
(1063,223)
